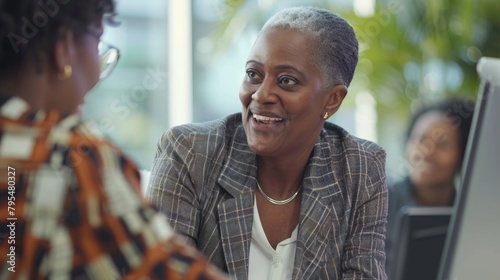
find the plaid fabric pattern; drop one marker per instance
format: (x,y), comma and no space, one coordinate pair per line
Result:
(78,208)
(203,180)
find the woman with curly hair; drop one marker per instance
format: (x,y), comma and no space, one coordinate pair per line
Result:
(435,146)
(72,200)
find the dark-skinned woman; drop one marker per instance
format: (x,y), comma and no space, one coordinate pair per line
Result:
(276,191)
(71,205)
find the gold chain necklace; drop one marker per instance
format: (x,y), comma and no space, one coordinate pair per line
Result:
(278,202)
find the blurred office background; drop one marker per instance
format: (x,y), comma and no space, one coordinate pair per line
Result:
(183,61)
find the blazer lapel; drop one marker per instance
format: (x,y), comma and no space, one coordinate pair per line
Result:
(236,233)
(314,229)
(236,213)
(318,214)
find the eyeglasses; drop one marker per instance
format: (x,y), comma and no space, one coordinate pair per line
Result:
(108,56)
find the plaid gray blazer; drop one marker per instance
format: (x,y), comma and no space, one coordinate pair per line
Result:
(203,180)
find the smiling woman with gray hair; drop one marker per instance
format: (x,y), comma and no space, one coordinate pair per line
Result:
(276,192)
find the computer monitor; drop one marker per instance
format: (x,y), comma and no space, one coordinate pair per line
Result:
(419,242)
(472,248)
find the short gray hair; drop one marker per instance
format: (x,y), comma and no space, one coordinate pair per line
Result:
(333,38)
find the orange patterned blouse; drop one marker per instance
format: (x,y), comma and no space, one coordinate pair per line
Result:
(71,207)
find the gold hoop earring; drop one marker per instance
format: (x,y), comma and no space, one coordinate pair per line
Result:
(68,71)
(325,116)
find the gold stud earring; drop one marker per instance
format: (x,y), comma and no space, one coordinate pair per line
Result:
(68,71)
(325,116)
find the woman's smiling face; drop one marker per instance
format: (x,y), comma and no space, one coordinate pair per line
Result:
(283,94)
(433,151)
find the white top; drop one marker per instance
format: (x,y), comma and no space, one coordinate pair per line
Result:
(264,261)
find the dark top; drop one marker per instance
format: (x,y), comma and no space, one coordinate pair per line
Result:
(401,194)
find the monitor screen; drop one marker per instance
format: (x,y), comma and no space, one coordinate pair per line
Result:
(419,243)
(472,248)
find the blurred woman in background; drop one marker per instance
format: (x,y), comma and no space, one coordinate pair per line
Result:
(435,146)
